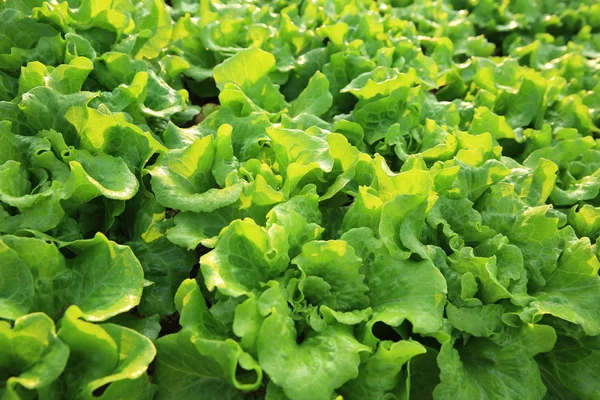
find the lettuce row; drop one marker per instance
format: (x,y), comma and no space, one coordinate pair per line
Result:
(390,199)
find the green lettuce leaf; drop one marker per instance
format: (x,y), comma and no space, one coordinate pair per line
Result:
(32,356)
(484,368)
(324,360)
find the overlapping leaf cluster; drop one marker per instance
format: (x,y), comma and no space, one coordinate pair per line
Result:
(299,200)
